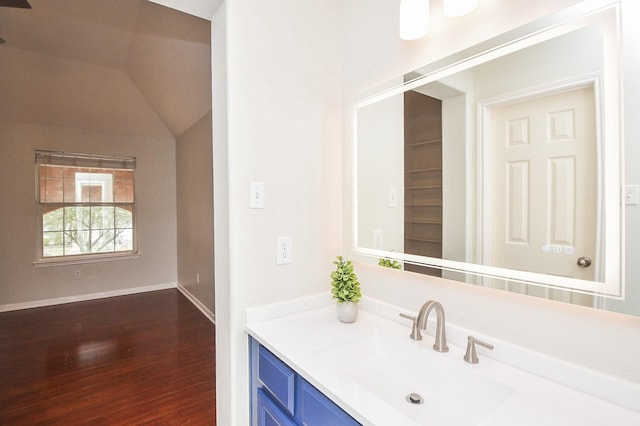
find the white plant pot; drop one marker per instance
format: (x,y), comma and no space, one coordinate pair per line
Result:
(347,311)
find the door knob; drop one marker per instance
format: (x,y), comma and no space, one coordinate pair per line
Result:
(584,262)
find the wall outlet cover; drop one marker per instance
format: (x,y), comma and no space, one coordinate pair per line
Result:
(284,251)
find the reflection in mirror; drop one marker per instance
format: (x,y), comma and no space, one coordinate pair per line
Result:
(503,168)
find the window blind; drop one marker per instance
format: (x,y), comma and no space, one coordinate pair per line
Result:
(85,160)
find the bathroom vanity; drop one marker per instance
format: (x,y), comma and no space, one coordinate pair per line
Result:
(309,368)
(282,396)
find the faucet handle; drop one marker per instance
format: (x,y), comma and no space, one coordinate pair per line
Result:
(415,331)
(470,356)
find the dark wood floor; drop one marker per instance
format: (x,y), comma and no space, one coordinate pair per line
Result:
(141,359)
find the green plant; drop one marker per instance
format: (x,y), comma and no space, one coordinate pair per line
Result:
(389,263)
(345,286)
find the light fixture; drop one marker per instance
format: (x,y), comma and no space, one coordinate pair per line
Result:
(414,19)
(453,8)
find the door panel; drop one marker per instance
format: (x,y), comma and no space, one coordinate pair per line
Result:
(544,183)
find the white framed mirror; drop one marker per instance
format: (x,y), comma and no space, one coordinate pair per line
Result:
(502,165)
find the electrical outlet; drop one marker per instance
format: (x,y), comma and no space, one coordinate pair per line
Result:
(256,195)
(284,251)
(77,275)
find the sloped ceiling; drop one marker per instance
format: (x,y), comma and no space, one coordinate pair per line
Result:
(128,66)
(170,59)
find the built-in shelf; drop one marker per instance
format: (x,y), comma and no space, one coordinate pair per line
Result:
(423,187)
(423,240)
(422,143)
(429,170)
(423,178)
(434,204)
(423,222)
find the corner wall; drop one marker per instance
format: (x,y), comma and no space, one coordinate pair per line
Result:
(194,181)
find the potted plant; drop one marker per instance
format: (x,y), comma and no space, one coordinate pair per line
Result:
(389,263)
(345,288)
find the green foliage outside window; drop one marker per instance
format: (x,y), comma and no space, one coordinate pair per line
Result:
(87,229)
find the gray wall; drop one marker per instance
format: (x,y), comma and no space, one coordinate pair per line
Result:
(194,177)
(20,281)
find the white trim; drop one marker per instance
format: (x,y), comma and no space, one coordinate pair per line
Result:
(84,297)
(79,260)
(207,313)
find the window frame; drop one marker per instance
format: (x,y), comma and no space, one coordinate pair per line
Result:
(81,160)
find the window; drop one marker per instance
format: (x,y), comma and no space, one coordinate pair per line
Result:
(86,205)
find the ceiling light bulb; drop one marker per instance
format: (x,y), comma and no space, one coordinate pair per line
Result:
(453,8)
(414,19)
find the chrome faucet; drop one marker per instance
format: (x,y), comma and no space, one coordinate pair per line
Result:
(440,344)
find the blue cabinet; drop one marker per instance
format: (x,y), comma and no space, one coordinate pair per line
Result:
(269,413)
(276,378)
(281,397)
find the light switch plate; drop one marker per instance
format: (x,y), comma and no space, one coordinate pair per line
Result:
(393,197)
(632,195)
(256,195)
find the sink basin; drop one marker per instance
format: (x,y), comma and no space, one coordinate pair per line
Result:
(386,367)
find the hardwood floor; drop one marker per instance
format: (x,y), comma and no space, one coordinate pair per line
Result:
(141,359)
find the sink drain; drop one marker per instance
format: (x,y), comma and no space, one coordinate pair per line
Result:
(414,398)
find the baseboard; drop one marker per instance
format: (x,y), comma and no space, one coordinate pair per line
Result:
(84,297)
(207,313)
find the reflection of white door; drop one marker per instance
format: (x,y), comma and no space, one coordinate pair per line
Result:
(544,184)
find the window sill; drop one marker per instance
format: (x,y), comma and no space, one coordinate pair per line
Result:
(79,260)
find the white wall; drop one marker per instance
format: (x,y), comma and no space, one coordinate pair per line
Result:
(596,339)
(454,177)
(632,153)
(283,129)
(544,63)
(381,167)
(224,358)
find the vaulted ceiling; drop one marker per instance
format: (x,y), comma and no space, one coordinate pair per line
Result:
(129,66)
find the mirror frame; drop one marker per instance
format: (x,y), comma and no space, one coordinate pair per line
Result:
(610,125)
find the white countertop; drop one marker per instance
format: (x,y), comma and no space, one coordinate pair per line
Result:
(297,332)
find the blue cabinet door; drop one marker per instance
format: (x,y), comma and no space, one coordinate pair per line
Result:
(278,378)
(318,410)
(270,414)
